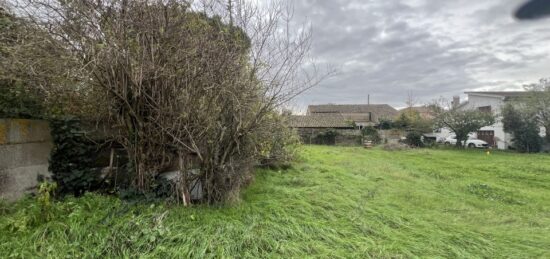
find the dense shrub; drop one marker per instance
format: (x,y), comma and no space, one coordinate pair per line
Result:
(33,70)
(71,160)
(327,137)
(179,84)
(411,120)
(529,140)
(385,124)
(371,134)
(414,139)
(403,121)
(523,126)
(280,143)
(17,101)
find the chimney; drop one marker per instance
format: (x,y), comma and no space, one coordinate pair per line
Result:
(456,101)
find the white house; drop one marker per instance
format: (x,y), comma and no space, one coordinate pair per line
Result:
(491,102)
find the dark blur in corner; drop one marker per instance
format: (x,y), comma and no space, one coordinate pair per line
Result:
(534,9)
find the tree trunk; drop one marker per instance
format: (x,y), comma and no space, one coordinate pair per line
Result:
(460,140)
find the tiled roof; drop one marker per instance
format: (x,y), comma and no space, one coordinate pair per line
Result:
(319,121)
(352,108)
(358,117)
(501,93)
(351,111)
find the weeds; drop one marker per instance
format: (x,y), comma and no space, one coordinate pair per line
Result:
(375,204)
(494,194)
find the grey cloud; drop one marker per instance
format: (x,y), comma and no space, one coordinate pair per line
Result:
(430,47)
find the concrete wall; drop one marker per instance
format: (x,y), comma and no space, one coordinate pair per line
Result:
(25,147)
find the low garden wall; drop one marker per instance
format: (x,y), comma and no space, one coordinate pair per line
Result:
(392,136)
(342,137)
(345,137)
(25,147)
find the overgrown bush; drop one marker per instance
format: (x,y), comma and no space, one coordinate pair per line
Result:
(403,121)
(529,140)
(280,145)
(414,139)
(72,158)
(34,71)
(326,137)
(371,134)
(180,84)
(385,124)
(523,125)
(411,120)
(17,101)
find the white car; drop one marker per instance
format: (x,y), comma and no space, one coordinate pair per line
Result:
(471,142)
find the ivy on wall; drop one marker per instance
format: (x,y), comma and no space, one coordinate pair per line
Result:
(327,137)
(72,158)
(17,102)
(371,134)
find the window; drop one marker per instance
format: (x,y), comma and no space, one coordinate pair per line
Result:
(486,109)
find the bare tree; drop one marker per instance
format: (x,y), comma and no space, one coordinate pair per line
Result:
(188,84)
(33,63)
(411,99)
(538,102)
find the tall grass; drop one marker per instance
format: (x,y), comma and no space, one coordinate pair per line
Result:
(335,202)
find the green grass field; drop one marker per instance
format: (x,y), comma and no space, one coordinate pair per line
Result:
(334,203)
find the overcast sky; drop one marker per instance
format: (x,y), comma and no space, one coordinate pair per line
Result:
(431,48)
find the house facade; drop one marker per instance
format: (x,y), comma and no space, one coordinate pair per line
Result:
(492,102)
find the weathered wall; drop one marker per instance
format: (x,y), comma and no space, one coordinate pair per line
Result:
(348,137)
(25,147)
(392,136)
(344,137)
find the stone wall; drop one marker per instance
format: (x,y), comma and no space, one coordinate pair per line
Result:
(25,147)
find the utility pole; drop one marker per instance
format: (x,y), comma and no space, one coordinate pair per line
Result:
(230,9)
